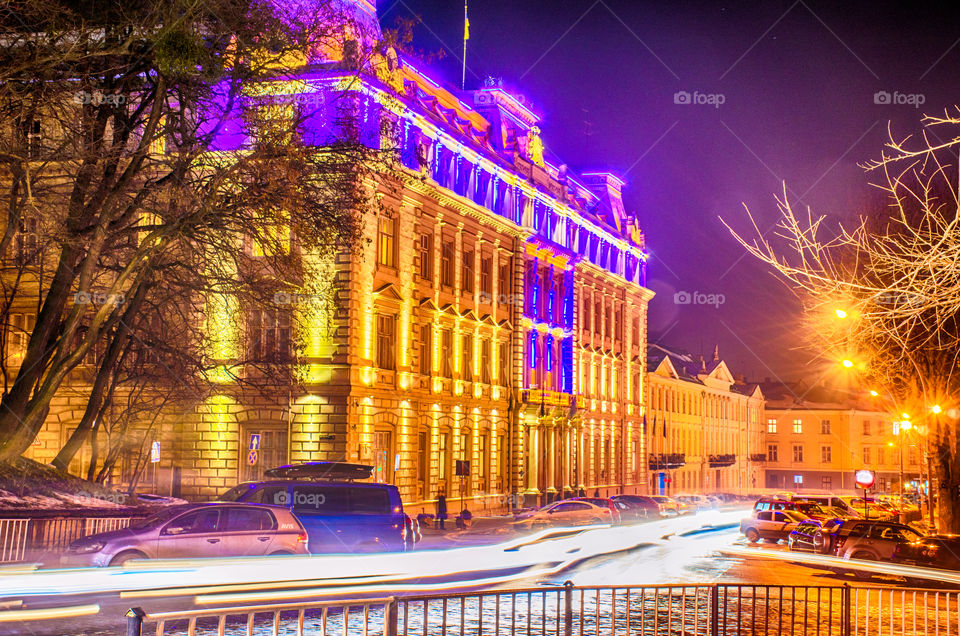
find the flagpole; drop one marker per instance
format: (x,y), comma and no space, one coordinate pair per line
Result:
(466,36)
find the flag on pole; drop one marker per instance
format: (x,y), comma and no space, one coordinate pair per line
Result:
(466,22)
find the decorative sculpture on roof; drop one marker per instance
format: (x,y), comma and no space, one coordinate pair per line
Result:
(535,146)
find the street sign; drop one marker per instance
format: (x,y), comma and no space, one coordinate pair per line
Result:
(254,441)
(864,478)
(462,468)
(252,457)
(155,452)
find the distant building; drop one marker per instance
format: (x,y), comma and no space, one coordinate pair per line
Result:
(816,438)
(703,425)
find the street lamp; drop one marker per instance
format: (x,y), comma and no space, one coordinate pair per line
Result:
(847,364)
(841,314)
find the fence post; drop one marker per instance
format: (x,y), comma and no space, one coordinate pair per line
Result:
(393,618)
(135,621)
(715,610)
(568,608)
(846,610)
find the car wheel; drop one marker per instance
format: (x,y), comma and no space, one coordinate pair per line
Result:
(822,542)
(281,553)
(123,557)
(752,535)
(863,556)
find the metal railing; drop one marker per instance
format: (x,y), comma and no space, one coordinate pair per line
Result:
(659,610)
(13,539)
(23,538)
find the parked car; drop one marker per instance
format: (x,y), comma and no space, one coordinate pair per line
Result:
(194,531)
(636,507)
(801,537)
(862,539)
(668,507)
(340,515)
(572,512)
(770,525)
(696,502)
(934,551)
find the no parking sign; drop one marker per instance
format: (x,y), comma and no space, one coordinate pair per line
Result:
(252,457)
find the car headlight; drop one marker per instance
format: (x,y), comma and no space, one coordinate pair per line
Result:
(86,547)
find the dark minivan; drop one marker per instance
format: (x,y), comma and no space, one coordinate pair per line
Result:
(340,515)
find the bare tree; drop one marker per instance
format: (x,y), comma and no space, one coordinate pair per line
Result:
(157,170)
(895,275)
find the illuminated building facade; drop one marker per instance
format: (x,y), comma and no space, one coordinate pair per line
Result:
(817,443)
(485,340)
(704,426)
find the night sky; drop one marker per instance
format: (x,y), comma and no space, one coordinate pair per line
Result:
(798,83)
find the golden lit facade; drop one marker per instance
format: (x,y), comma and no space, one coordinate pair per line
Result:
(703,427)
(448,350)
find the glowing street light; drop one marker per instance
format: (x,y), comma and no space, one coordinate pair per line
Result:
(841,314)
(847,364)
(936,409)
(874,393)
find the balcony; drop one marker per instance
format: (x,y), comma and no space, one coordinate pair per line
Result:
(721,461)
(758,457)
(666,462)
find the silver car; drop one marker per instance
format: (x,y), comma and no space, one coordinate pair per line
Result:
(193,531)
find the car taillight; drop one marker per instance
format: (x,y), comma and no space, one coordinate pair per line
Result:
(840,542)
(302,537)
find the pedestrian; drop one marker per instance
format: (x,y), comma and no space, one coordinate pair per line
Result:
(441,510)
(581,493)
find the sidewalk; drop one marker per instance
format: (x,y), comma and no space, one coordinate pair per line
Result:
(480,531)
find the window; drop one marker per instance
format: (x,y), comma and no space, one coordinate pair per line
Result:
(824,427)
(423,455)
(772,452)
(386,341)
(597,317)
(771,426)
(866,427)
(608,323)
(797,427)
(798,479)
(196,522)
(426,349)
(19,328)
(485,348)
(880,456)
(466,373)
(486,273)
(425,252)
(826,454)
(798,453)
(826,482)
(503,358)
(28,240)
(586,313)
(30,137)
(467,272)
(483,458)
(272,452)
(248,519)
(387,241)
(446,262)
(446,352)
(503,282)
(443,455)
(635,331)
(268,334)
(866,455)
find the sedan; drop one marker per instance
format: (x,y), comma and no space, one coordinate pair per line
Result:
(935,551)
(801,537)
(636,507)
(571,512)
(770,525)
(195,531)
(668,507)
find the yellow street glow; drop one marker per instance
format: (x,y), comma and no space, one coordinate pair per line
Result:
(841,314)
(48,613)
(905,416)
(874,393)
(847,363)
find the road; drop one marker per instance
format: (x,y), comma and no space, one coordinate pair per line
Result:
(673,551)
